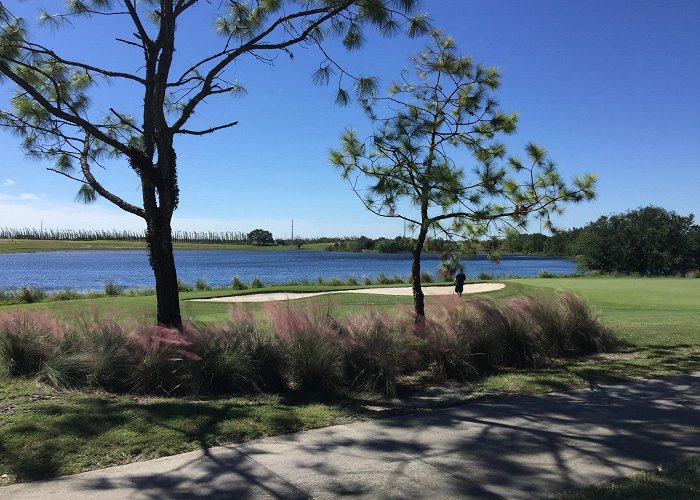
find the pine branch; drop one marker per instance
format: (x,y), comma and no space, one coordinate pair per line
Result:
(93,183)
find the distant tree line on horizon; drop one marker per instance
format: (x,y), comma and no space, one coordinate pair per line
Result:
(387,245)
(202,237)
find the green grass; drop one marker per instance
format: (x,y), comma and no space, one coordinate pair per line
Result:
(143,307)
(643,311)
(15,246)
(677,481)
(45,433)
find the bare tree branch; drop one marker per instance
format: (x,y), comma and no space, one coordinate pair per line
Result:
(207,131)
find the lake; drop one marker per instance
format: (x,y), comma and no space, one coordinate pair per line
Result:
(86,270)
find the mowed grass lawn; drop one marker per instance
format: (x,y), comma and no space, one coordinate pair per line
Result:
(46,433)
(644,311)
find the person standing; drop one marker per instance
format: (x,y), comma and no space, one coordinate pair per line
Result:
(460,278)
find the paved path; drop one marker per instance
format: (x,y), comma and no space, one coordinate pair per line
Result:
(519,448)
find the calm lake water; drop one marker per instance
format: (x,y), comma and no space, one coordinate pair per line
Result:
(89,269)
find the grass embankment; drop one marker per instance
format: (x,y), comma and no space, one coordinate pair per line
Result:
(16,246)
(44,433)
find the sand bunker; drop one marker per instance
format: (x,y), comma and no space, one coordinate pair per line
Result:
(427,290)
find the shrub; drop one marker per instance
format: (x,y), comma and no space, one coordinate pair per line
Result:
(256,283)
(114,354)
(425,277)
(383,279)
(270,358)
(484,276)
(27,342)
(306,348)
(352,280)
(483,327)
(237,284)
(546,274)
(201,285)
(310,337)
(505,338)
(446,352)
(66,370)
(112,289)
(335,282)
(366,280)
(547,323)
(224,361)
(563,325)
(162,364)
(30,295)
(376,351)
(315,362)
(467,338)
(235,357)
(67,294)
(585,331)
(183,287)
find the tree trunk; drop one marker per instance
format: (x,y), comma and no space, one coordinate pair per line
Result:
(418,297)
(160,246)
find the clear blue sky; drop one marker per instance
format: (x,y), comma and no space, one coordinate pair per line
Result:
(608,86)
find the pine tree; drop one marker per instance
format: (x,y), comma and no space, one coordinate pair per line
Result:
(426,132)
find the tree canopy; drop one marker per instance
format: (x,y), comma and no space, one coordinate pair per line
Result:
(261,237)
(649,241)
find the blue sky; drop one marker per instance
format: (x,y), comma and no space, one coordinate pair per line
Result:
(606,86)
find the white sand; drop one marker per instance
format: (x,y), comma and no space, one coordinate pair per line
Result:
(427,290)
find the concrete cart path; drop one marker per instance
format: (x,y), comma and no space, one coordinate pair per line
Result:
(517,447)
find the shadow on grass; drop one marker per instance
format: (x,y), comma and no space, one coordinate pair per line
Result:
(74,431)
(643,362)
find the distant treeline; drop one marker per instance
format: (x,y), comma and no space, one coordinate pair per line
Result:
(201,237)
